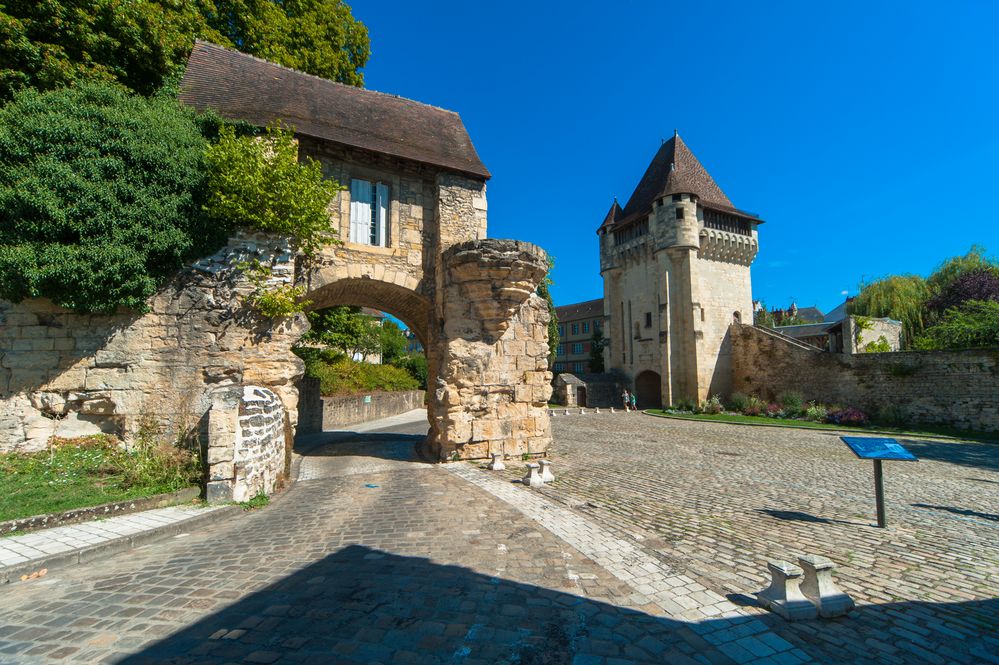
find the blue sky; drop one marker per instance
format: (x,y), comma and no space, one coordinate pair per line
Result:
(866,134)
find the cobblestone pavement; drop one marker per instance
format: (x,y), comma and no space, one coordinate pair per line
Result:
(719,500)
(408,564)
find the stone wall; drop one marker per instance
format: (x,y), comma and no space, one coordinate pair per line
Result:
(956,388)
(69,374)
(335,411)
(246,443)
(493,383)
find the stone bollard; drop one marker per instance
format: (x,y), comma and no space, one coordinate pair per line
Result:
(783,597)
(612,409)
(533,477)
(818,587)
(582,412)
(551,412)
(546,471)
(497,463)
(567,412)
(596,410)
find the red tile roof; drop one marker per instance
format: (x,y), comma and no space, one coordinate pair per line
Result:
(242,87)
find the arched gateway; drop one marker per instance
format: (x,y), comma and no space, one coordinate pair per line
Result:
(412,218)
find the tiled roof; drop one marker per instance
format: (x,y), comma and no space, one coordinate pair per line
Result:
(612,215)
(811,314)
(674,170)
(590,309)
(242,87)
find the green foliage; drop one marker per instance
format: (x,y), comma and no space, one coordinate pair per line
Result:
(816,412)
(973,325)
(347,377)
(273,302)
(392,342)
(416,365)
(90,471)
(975,260)
(879,346)
(712,405)
(544,290)
(320,37)
(754,406)
(737,401)
(792,402)
(344,329)
(597,345)
(776,317)
(100,197)
(258,183)
(899,297)
(144,43)
(256,503)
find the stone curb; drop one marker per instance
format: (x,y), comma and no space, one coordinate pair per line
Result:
(86,514)
(13,573)
(906,435)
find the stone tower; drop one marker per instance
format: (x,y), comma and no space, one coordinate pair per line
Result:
(675,263)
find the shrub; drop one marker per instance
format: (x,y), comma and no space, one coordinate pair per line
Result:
(259,183)
(816,412)
(891,415)
(100,196)
(712,405)
(848,416)
(792,402)
(974,325)
(880,346)
(775,410)
(754,406)
(347,377)
(416,365)
(687,405)
(737,401)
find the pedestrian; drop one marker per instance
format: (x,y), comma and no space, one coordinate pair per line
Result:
(634,402)
(626,398)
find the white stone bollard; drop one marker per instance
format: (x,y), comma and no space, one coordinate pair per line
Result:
(551,412)
(567,412)
(596,410)
(546,471)
(818,587)
(582,412)
(533,477)
(783,597)
(612,409)
(497,463)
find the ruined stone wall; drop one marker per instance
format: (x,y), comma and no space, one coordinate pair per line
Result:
(957,388)
(69,374)
(336,411)
(493,382)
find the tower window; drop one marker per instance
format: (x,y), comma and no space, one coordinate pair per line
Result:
(648,319)
(679,213)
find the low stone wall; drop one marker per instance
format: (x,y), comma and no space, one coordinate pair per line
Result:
(336,411)
(956,388)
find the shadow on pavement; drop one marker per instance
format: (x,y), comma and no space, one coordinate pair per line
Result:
(965,453)
(959,511)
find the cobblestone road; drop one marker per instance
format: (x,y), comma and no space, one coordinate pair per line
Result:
(368,559)
(719,500)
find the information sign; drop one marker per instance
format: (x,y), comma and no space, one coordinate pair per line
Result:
(878,450)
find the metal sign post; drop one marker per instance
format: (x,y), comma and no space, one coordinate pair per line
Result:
(879,450)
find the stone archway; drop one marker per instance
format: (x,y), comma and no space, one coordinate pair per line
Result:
(648,390)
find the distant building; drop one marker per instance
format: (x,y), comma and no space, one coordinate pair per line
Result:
(576,324)
(839,332)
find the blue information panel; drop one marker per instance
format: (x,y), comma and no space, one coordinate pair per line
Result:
(868,448)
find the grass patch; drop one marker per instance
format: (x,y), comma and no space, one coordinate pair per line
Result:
(90,471)
(929,430)
(256,502)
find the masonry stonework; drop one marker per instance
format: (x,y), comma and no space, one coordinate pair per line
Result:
(955,388)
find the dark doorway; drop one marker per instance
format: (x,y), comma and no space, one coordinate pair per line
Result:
(648,389)
(581,396)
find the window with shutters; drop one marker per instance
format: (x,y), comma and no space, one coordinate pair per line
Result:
(369,203)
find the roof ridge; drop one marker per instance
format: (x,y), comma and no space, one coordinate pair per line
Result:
(319,78)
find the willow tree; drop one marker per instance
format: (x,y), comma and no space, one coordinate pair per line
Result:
(899,297)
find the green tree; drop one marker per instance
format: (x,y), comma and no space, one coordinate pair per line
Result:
(899,297)
(597,345)
(416,365)
(100,196)
(259,183)
(973,325)
(393,342)
(142,43)
(544,290)
(974,261)
(344,329)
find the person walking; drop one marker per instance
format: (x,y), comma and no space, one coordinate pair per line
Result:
(626,399)
(634,402)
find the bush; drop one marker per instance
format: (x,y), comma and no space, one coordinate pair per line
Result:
(712,405)
(754,406)
(687,405)
(737,402)
(891,415)
(416,365)
(100,196)
(259,183)
(974,325)
(816,412)
(775,410)
(347,377)
(792,402)
(848,416)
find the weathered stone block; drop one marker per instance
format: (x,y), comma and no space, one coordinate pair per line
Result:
(819,588)
(784,596)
